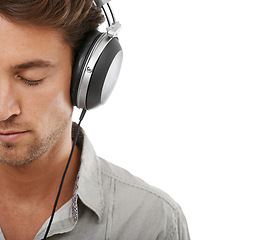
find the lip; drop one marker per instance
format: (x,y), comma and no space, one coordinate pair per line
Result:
(11,136)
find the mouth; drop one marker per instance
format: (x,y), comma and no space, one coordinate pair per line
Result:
(10,132)
(11,135)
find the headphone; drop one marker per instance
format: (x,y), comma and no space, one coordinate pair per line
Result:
(98,63)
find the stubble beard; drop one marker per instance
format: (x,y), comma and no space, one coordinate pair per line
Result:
(13,155)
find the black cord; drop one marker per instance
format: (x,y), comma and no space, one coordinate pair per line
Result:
(64,173)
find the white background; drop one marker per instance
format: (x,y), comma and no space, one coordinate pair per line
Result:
(185,113)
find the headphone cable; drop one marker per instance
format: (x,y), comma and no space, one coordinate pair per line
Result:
(64,173)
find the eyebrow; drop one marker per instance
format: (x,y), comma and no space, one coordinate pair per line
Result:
(34,64)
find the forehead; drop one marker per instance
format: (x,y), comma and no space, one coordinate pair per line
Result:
(21,42)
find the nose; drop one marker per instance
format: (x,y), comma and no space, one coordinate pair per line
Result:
(9,105)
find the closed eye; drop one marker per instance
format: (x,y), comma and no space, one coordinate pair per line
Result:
(30,82)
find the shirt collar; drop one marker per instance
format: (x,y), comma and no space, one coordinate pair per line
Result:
(89,187)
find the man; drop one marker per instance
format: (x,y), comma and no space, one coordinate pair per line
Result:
(39,41)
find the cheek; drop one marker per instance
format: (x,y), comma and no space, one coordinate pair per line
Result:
(58,94)
(54,111)
(58,100)
(48,101)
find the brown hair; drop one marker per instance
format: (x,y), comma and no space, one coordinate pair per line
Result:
(73,18)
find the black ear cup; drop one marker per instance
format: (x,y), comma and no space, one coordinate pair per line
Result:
(96,70)
(80,63)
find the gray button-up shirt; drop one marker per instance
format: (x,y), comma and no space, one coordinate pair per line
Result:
(109,203)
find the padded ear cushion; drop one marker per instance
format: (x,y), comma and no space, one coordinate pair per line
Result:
(78,69)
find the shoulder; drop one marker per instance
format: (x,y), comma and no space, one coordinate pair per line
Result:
(146,204)
(133,183)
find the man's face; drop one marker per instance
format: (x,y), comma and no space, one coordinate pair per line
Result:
(35,107)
